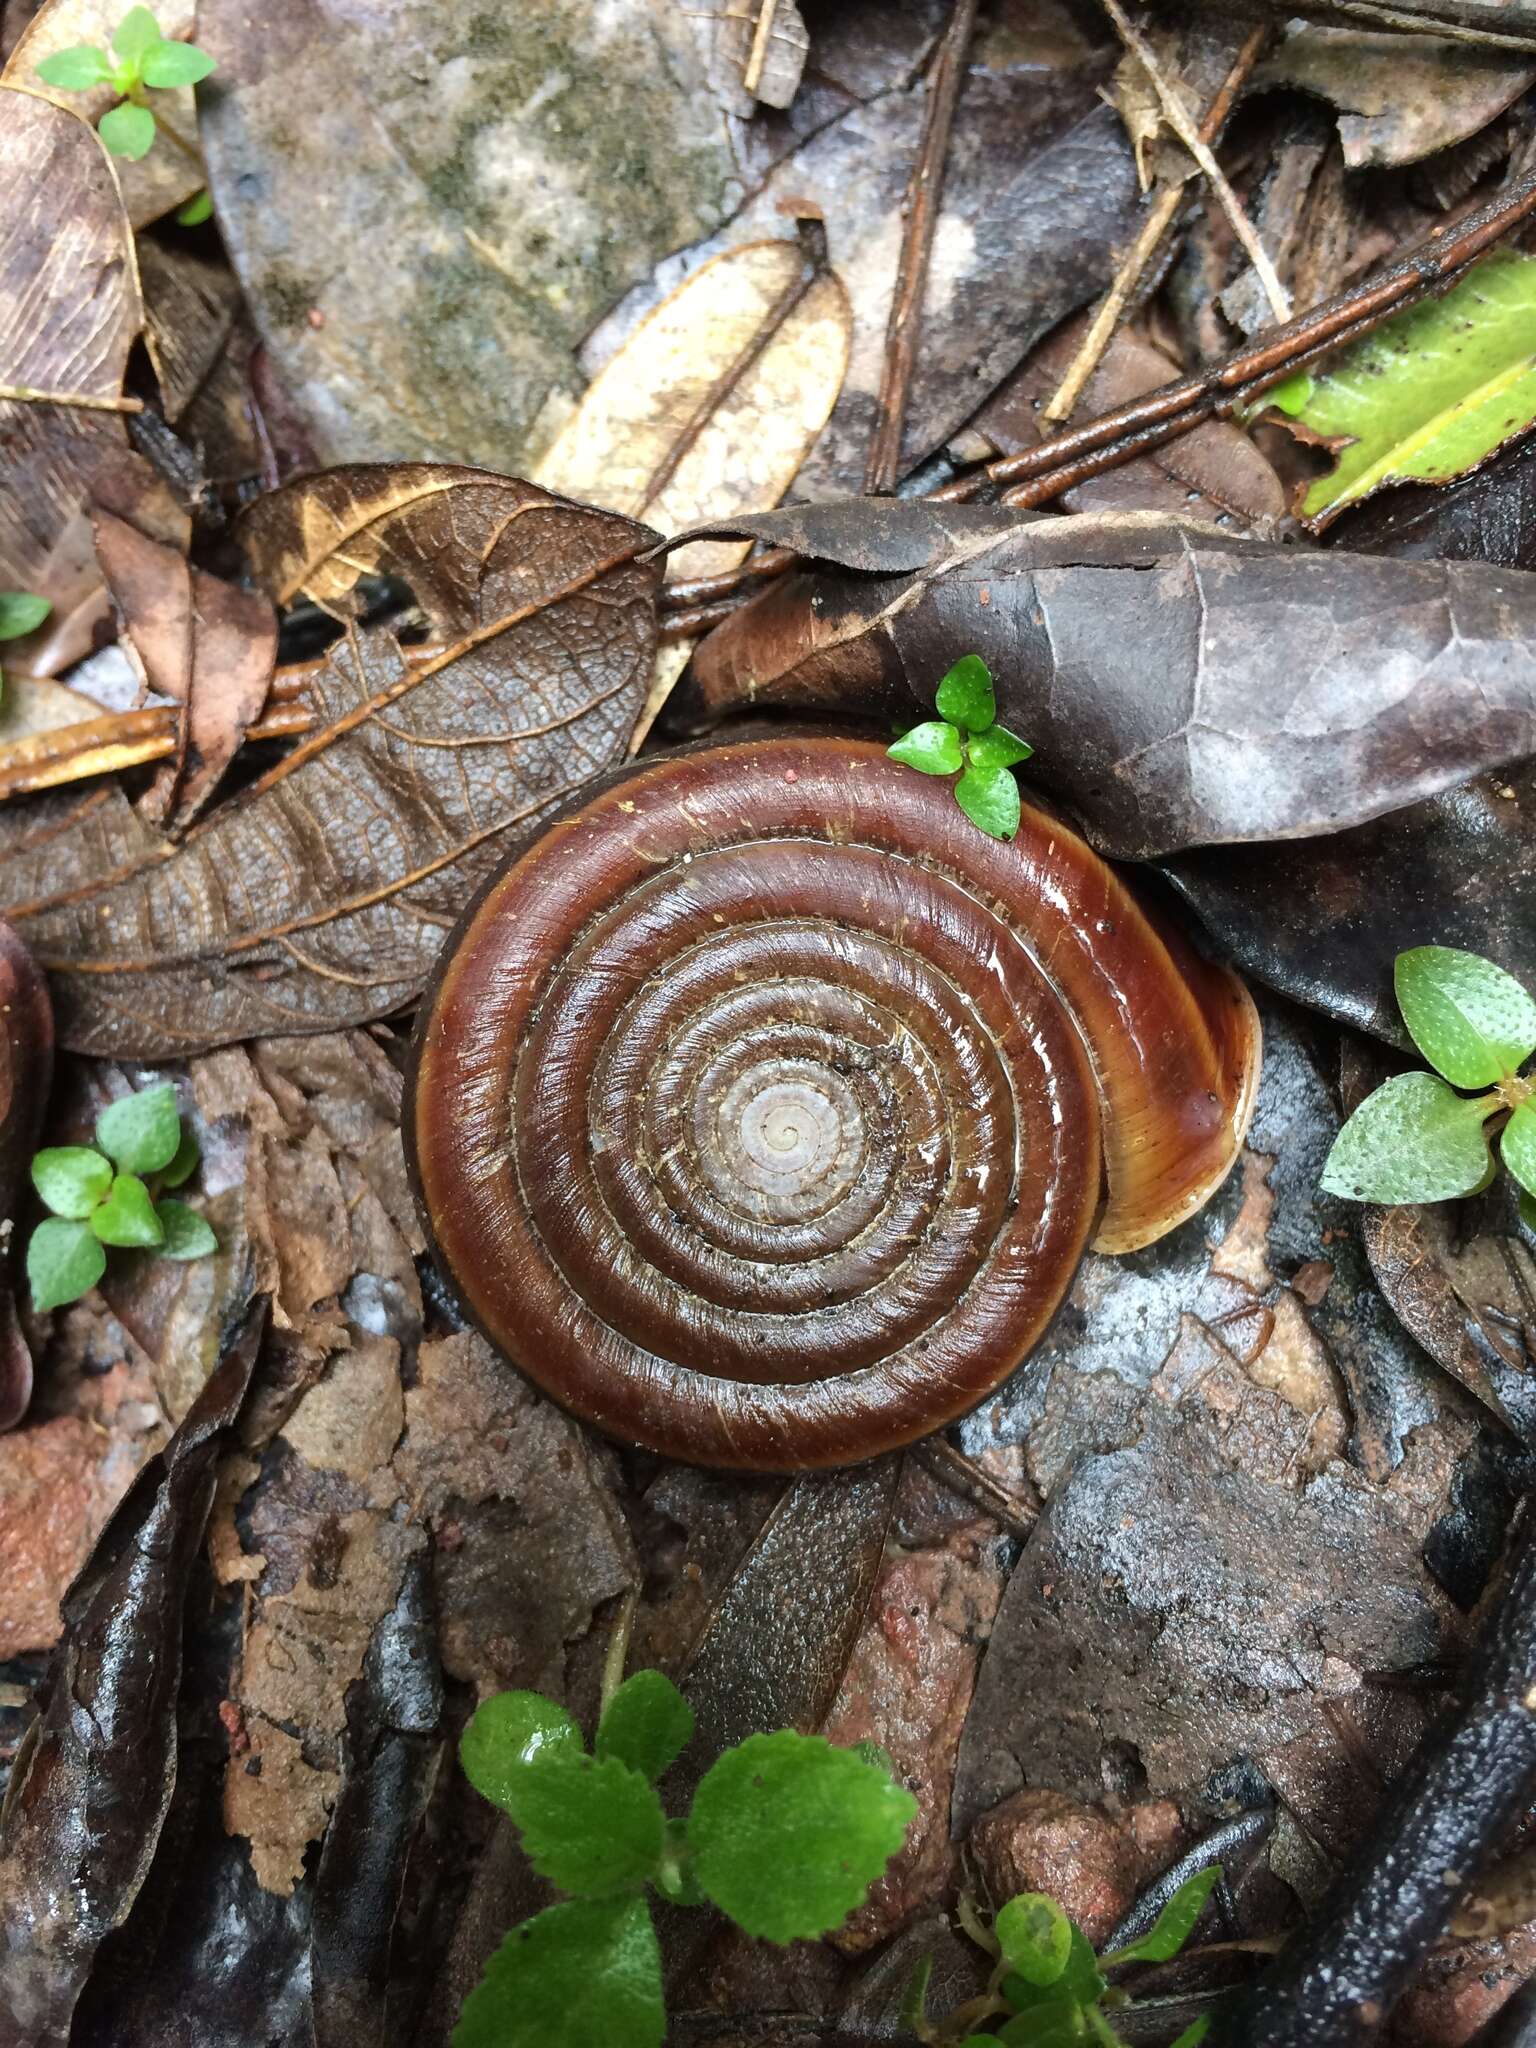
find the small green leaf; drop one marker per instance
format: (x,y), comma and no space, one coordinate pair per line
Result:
(989,797)
(914,1999)
(170,64)
(788,1833)
(21,612)
(586,1974)
(674,1877)
(996,748)
(1080,1983)
(933,748)
(71,1179)
(1414,1140)
(508,1732)
(1528,1210)
(1517,1146)
(142,1132)
(1467,1016)
(965,695)
(136,35)
(127,1216)
(197,209)
(183,1163)
(64,1261)
(872,1753)
(127,131)
(187,1235)
(646,1725)
(1174,1925)
(1059,2024)
(590,1825)
(1035,1936)
(985,2041)
(1194,2034)
(75,70)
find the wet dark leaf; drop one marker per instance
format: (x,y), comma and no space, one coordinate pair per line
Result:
(95,1777)
(1181,687)
(320,895)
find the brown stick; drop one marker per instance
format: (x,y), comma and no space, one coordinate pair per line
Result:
(1160,215)
(116,740)
(922,212)
(27,394)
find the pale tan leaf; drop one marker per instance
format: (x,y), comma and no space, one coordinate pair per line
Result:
(755,50)
(172,171)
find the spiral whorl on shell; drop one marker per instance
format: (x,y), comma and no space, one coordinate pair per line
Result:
(763,1108)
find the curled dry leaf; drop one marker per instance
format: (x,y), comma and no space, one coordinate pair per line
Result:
(206,644)
(321,893)
(710,407)
(171,172)
(1181,686)
(26,1067)
(69,312)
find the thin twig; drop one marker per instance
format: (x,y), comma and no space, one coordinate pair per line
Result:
(27,394)
(1160,215)
(1176,115)
(117,740)
(921,209)
(761,35)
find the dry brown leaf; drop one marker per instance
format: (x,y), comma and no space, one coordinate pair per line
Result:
(755,50)
(171,172)
(69,311)
(206,644)
(320,895)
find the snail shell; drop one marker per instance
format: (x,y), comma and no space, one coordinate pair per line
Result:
(762,1107)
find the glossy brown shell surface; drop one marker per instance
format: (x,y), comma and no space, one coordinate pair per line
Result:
(763,1108)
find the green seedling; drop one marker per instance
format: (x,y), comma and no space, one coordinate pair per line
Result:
(113,1193)
(1425,1137)
(1048,1989)
(142,60)
(785,1835)
(966,741)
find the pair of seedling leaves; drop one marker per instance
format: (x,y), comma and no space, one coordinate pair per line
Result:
(141,59)
(965,740)
(1418,1138)
(109,1193)
(786,1835)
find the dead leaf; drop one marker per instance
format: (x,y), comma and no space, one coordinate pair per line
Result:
(505,176)
(1214,473)
(206,644)
(69,312)
(26,1069)
(755,50)
(320,895)
(171,172)
(1399,100)
(1180,686)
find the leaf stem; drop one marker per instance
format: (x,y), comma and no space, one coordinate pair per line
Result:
(618,1650)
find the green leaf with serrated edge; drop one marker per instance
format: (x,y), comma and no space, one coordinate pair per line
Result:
(170,64)
(1517,1146)
(1193,2035)
(508,1732)
(1035,1937)
(20,611)
(646,1724)
(1081,1981)
(989,797)
(996,748)
(965,696)
(585,1974)
(1467,1016)
(64,1261)
(71,1179)
(141,1132)
(1174,1925)
(136,35)
(126,1216)
(183,1162)
(934,749)
(788,1833)
(127,131)
(590,1825)
(1414,1140)
(74,70)
(197,209)
(187,1235)
(1430,393)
